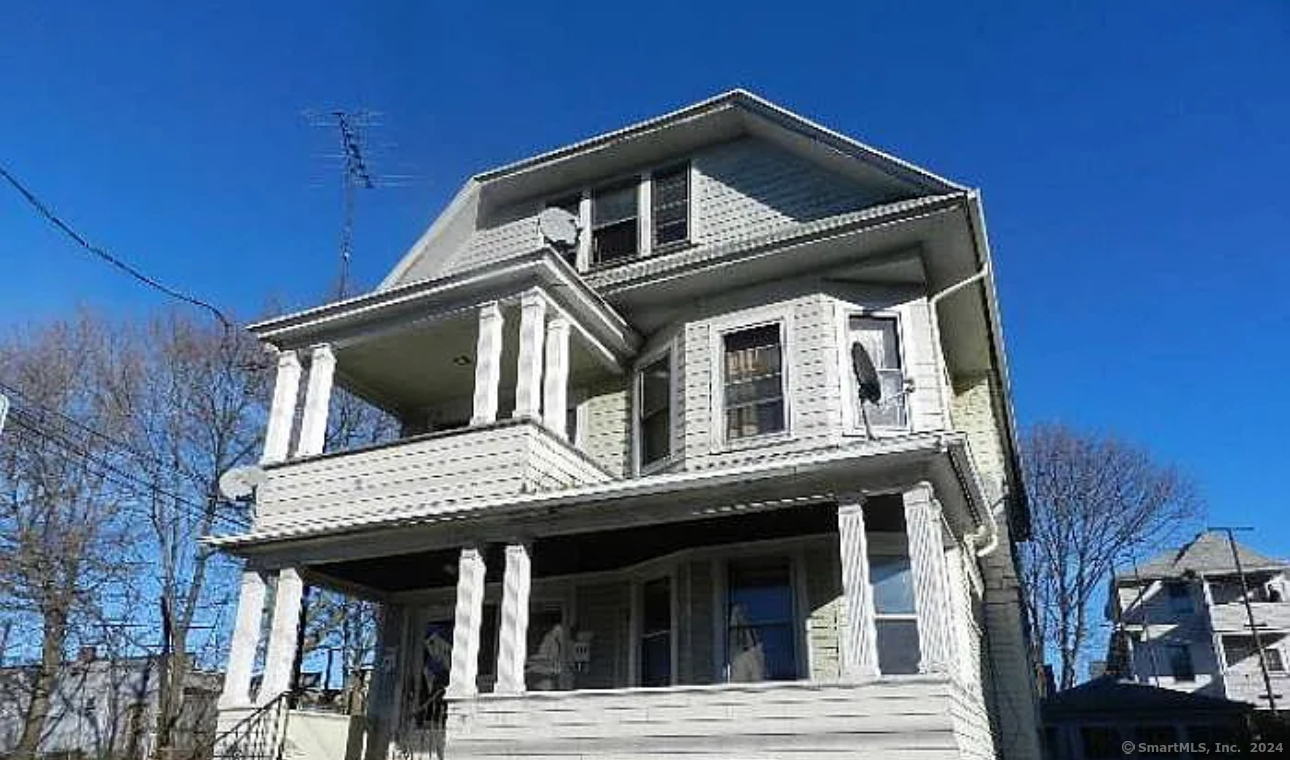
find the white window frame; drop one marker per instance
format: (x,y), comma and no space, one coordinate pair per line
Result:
(782,315)
(644,214)
(852,424)
(670,349)
(894,545)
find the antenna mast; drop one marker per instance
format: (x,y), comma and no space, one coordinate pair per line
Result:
(355,176)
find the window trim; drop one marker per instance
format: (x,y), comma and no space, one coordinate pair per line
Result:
(644,182)
(852,425)
(670,350)
(780,315)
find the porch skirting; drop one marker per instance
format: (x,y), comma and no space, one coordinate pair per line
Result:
(924,717)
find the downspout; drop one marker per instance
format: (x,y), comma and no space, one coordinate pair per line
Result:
(989,532)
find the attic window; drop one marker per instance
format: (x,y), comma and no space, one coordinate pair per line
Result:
(671,206)
(615,220)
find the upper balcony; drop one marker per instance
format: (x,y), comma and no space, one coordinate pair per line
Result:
(1232,617)
(477,369)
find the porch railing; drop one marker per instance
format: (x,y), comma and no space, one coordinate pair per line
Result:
(258,736)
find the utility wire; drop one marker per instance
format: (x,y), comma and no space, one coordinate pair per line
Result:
(45,211)
(116,475)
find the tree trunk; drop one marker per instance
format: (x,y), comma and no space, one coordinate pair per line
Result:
(52,641)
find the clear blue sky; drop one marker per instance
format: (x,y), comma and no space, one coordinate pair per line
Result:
(1131,157)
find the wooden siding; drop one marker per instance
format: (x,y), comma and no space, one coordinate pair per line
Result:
(603,611)
(446,469)
(607,440)
(824,599)
(748,187)
(898,718)
(1268,616)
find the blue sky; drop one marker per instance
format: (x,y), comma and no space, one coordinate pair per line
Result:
(1130,156)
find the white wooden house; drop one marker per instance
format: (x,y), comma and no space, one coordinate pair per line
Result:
(639,508)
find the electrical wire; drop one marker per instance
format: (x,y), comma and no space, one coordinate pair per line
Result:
(45,211)
(119,477)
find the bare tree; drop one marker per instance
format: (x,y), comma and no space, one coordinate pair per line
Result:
(190,398)
(1094,500)
(65,534)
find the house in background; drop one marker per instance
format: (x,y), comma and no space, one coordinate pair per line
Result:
(708,449)
(1181,622)
(103,707)
(1095,720)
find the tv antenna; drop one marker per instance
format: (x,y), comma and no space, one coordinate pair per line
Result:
(355,175)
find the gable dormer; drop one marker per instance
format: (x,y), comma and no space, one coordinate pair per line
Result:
(731,168)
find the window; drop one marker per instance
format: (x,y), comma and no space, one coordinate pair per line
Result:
(1180,664)
(671,206)
(614,222)
(880,339)
(656,633)
(760,643)
(896,621)
(753,382)
(1179,594)
(654,409)
(1100,742)
(1161,737)
(1238,648)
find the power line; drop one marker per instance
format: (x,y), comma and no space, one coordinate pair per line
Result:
(119,477)
(44,210)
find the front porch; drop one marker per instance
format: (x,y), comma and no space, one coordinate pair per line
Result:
(726,634)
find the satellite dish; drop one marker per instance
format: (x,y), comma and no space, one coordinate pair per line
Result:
(240,482)
(867,382)
(559,228)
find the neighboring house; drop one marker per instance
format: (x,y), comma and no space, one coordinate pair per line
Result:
(1099,718)
(1181,622)
(639,507)
(106,708)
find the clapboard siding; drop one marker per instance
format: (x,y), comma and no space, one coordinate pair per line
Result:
(603,611)
(824,597)
(748,187)
(899,718)
(696,657)
(444,469)
(509,232)
(607,429)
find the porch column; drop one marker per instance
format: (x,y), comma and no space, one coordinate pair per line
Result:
(512,646)
(286,388)
(528,388)
(860,635)
(466,624)
(281,654)
(488,364)
(246,639)
(555,389)
(313,423)
(931,586)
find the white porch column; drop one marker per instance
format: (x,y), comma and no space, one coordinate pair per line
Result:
(859,643)
(313,422)
(281,654)
(555,388)
(466,624)
(246,639)
(931,587)
(286,388)
(488,364)
(512,645)
(528,388)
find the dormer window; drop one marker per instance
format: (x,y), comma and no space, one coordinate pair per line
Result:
(615,216)
(670,197)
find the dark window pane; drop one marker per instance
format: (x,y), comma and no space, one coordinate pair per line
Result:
(1101,742)
(766,387)
(897,647)
(546,644)
(753,382)
(656,660)
(655,410)
(766,335)
(671,206)
(613,242)
(656,437)
(762,653)
(656,385)
(656,633)
(1180,663)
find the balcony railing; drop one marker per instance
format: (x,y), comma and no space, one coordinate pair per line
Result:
(444,470)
